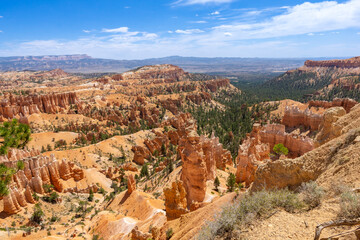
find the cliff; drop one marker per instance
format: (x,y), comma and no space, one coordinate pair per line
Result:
(343,63)
(38,170)
(346,103)
(16,106)
(294,117)
(258,145)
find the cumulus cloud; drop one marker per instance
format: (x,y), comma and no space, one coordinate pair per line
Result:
(300,19)
(116,30)
(215,13)
(86,31)
(189,31)
(235,38)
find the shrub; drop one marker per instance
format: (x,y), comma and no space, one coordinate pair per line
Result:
(144,172)
(280,149)
(247,209)
(91,196)
(169,233)
(311,194)
(350,205)
(37,215)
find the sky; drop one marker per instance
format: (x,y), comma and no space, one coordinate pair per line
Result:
(139,29)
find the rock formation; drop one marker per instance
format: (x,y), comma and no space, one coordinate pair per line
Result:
(131,184)
(38,170)
(343,63)
(346,103)
(19,106)
(251,151)
(164,71)
(329,129)
(258,144)
(175,200)
(294,117)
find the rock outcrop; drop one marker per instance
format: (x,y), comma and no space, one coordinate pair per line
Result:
(19,106)
(131,184)
(343,63)
(257,147)
(200,157)
(346,103)
(294,117)
(329,129)
(175,200)
(38,170)
(251,152)
(164,71)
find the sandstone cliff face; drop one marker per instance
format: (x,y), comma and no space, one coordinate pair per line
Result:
(38,170)
(343,63)
(329,129)
(346,103)
(175,201)
(251,151)
(334,160)
(26,105)
(258,144)
(294,117)
(131,184)
(194,169)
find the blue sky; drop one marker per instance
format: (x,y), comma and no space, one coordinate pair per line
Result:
(138,29)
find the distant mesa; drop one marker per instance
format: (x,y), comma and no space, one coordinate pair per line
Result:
(343,63)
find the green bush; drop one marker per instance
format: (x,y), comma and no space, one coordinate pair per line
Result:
(247,209)
(169,233)
(37,215)
(350,205)
(280,149)
(14,134)
(311,194)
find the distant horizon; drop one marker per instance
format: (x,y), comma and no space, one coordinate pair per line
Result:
(179,56)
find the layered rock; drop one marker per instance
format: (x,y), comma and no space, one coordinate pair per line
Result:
(38,170)
(329,128)
(200,156)
(258,144)
(343,63)
(175,200)
(19,106)
(131,184)
(164,71)
(294,117)
(346,103)
(251,151)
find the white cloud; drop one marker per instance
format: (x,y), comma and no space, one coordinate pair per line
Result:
(304,18)
(310,34)
(193,2)
(232,39)
(189,31)
(1,16)
(215,13)
(198,22)
(358,33)
(86,31)
(116,30)
(127,7)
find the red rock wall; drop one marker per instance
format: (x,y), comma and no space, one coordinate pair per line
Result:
(344,63)
(16,106)
(294,117)
(346,103)
(38,170)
